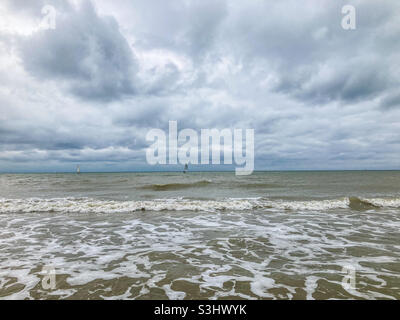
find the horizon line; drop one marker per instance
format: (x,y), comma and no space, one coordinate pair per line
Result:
(194,171)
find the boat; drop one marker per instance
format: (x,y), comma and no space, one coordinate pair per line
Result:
(78,169)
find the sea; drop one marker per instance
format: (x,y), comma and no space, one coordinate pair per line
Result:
(200,235)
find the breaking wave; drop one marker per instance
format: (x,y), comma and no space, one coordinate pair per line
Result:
(176,186)
(87,205)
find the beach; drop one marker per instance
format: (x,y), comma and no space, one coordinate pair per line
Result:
(200,235)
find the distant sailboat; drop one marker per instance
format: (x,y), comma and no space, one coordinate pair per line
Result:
(186,168)
(78,169)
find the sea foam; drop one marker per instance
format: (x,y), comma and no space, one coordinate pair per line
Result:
(88,205)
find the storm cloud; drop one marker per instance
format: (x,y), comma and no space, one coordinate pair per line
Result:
(86,51)
(88,91)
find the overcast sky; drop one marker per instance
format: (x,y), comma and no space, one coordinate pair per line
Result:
(88,91)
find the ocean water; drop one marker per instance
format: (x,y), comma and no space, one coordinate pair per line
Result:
(271,235)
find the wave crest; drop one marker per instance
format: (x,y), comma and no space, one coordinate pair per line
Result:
(176,186)
(86,205)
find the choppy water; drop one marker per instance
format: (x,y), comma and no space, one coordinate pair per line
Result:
(281,235)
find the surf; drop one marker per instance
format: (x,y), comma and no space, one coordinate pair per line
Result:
(89,205)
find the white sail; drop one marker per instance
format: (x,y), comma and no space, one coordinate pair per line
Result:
(78,169)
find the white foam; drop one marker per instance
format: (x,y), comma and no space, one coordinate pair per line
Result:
(311,285)
(385,203)
(87,205)
(227,254)
(261,285)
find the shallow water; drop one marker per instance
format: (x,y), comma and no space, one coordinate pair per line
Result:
(271,235)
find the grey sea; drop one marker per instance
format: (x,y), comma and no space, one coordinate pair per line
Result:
(270,235)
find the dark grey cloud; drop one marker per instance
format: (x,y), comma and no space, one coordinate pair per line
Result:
(347,82)
(85,51)
(392,100)
(311,58)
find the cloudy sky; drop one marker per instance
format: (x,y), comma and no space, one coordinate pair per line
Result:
(88,91)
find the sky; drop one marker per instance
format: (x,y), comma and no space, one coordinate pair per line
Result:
(89,90)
